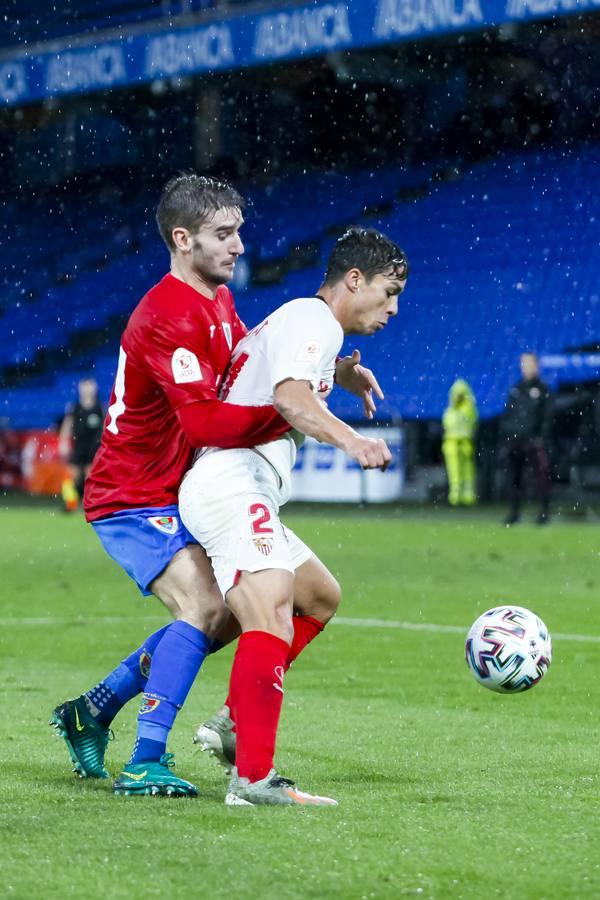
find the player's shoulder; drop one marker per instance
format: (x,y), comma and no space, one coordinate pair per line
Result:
(306,309)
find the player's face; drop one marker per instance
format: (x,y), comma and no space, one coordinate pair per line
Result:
(217,246)
(375,302)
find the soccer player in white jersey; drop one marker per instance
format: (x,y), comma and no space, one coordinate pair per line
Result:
(230,499)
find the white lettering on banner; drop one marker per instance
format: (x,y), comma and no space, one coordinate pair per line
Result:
(410,16)
(13,82)
(102,66)
(175,54)
(520,9)
(304,29)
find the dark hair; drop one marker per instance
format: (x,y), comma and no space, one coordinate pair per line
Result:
(368,250)
(187,201)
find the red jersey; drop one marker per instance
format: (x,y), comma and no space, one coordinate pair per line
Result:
(174,352)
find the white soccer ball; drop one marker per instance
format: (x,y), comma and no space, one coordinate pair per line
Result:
(508,649)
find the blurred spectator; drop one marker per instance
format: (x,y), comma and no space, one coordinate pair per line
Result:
(523,433)
(460,423)
(79,438)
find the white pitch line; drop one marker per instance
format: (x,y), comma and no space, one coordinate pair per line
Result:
(446,629)
(62,621)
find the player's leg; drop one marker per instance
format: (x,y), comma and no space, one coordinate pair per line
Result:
(262,602)
(317,596)
(176,662)
(156,552)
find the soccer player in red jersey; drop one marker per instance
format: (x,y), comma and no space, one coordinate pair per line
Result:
(174,352)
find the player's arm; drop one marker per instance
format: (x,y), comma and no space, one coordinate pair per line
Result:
(210,422)
(298,404)
(65,436)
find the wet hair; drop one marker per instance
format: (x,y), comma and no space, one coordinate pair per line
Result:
(188,200)
(368,250)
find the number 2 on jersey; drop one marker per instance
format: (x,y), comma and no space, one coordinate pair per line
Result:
(260,515)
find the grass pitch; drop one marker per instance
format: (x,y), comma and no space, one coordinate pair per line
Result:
(446,790)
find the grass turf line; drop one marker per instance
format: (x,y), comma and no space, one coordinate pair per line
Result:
(445,789)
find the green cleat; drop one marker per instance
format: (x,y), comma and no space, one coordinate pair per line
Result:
(153,779)
(273,790)
(85,737)
(217,737)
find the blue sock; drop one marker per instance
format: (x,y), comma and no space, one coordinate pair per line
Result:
(175,664)
(126,681)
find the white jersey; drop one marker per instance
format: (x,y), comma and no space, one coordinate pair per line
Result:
(300,340)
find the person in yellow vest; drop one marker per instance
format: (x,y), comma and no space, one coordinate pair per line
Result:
(460,424)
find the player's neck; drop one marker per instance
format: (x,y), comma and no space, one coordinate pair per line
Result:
(207,289)
(336,298)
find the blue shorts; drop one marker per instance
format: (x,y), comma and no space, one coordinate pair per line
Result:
(143,541)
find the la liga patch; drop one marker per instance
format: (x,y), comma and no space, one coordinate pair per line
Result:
(185,366)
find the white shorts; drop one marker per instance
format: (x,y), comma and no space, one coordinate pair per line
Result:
(229,501)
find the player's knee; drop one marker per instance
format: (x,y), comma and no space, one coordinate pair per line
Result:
(332,597)
(327,598)
(264,601)
(207,612)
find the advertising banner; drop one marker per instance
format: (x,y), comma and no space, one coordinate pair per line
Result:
(78,65)
(324,474)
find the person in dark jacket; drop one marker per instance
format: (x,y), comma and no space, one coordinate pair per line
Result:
(523,431)
(79,438)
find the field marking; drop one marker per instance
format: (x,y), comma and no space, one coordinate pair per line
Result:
(61,621)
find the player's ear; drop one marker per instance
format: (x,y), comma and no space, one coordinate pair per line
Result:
(352,279)
(182,239)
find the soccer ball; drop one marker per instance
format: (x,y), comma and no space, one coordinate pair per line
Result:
(508,649)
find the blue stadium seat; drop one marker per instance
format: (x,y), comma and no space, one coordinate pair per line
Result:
(504,259)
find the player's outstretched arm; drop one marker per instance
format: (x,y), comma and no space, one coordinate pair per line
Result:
(297,403)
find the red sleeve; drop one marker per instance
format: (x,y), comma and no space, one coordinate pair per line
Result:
(213,423)
(173,352)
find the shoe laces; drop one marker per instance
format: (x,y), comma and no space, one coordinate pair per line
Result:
(280,781)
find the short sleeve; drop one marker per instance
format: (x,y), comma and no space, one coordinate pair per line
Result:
(173,353)
(304,343)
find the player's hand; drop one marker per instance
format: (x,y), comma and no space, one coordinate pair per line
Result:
(358,380)
(370,453)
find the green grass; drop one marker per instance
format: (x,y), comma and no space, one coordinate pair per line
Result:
(445,789)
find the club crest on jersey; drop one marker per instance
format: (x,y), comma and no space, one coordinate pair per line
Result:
(148,704)
(145,660)
(185,366)
(166,524)
(263,544)
(310,352)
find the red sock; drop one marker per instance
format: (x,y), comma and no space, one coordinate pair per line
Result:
(256,694)
(306,629)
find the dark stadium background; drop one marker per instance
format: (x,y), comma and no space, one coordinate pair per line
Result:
(469,132)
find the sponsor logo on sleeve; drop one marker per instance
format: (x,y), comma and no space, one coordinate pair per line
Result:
(310,352)
(185,366)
